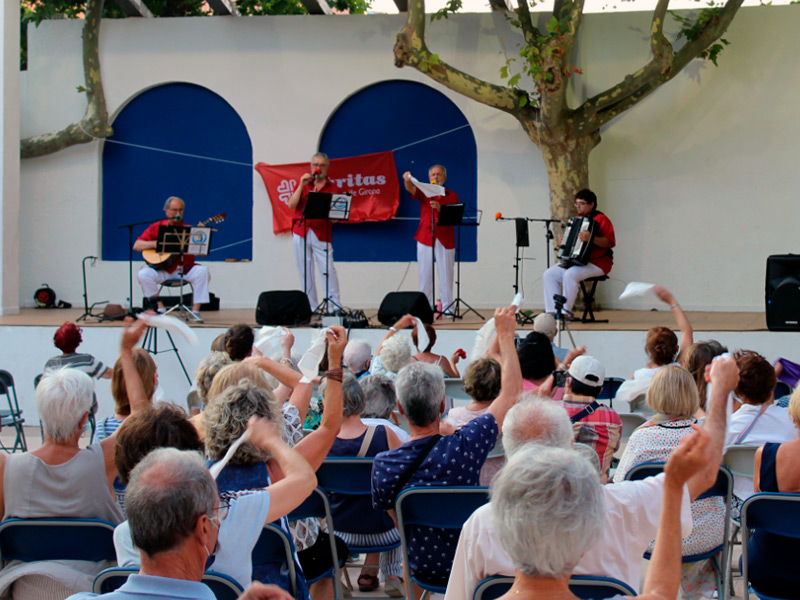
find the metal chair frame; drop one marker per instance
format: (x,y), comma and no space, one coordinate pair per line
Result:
(12,417)
(58,538)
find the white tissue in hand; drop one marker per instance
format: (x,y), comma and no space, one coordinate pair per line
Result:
(170,324)
(422,335)
(483,339)
(431,190)
(217,467)
(268,338)
(309,364)
(636,288)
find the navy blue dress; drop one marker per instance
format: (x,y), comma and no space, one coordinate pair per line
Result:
(772,559)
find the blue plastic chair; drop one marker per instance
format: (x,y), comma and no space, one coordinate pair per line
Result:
(317,506)
(723,488)
(31,540)
(773,513)
(439,507)
(12,416)
(223,586)
(275,546)
(586,587)
(609,390)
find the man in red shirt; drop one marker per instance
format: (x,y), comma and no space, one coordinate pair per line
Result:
(444,248)
(558,280)
(315,232)
(150,277)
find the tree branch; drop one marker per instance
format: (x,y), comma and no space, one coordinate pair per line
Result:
(530,33)
(410,50)
(94,123)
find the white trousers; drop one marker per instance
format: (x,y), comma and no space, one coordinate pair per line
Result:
(565,282)
(445,260)
(305,266)
(198,276)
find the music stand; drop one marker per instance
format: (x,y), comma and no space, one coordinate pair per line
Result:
(175,239)
(327,207)
(452,215)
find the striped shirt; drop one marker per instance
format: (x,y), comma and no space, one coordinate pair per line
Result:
(85,362)
(601,429)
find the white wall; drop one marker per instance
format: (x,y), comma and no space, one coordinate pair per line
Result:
(696,179)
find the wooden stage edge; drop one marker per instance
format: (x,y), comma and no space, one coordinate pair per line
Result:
(618,320)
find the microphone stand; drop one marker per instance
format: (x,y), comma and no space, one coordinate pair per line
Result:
(129,227)
(548,236)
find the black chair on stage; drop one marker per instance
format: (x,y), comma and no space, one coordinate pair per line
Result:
(588,299)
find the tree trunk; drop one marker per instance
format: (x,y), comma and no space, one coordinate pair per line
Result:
(567,162)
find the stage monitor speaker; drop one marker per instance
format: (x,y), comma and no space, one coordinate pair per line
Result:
(782,294)
(283,307)
(397,304)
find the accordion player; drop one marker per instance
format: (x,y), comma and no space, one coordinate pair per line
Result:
(572,250)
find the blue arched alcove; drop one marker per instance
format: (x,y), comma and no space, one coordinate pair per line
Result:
(424,128)
(178,139)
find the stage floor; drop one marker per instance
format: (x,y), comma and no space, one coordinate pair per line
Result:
(618,320)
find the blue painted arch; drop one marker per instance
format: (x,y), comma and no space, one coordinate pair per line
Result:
(178,139)
(424,127)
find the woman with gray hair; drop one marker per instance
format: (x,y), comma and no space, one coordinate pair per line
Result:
(381,404)
(394,351)
(355,520)
(59,479)
(232,403)
(547,508)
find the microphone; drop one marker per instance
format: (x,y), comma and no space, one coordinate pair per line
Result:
(178,217)
(315,174)
(498,216)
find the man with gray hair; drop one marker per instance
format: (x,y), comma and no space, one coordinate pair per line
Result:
(174,517)
(430,459)
(312,237)
(357,356)
(632,507)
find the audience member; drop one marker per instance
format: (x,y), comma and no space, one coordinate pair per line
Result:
(547,508)
(661,348)
(482,384)
(239,341)
(632,507)
(595,425)
(226,416)
(354,519)
(381,404)
(148,372)
(67,339)
(426,355)
(758,420)
(175,519)
(59,479)
(673,396)
(357,357)
(771,566)
(394,351)
(167,427)
(451,460)
(545,323)
(695,360)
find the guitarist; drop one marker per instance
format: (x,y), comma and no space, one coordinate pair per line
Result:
(558,280)
(150,277)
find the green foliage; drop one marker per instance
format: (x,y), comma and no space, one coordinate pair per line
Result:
(451,6)
(692,25)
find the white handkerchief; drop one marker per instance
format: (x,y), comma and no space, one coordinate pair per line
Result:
(309,364)
(422,335)
(431,190)
(170,324)
(636,288)
(517,301)
(483,339)
(217,467)
(268,338)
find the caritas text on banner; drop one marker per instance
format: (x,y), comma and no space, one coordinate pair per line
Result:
(371,179)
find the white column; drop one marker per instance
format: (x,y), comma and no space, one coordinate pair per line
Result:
(9,160)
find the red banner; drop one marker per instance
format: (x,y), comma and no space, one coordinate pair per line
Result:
(371,179)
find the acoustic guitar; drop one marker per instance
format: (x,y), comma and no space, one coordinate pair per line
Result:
(164,260)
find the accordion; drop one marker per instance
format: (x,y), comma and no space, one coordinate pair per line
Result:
(572,251)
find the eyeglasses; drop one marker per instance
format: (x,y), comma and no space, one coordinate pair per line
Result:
(222,511)
(581,203)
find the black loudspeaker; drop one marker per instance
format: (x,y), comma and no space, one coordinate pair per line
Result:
(523,240)
(283,307)
(783,292)
(397,304)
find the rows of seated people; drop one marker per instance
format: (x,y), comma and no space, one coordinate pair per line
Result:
(560,504)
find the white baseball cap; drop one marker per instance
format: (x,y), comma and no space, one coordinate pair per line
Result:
(588,370)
